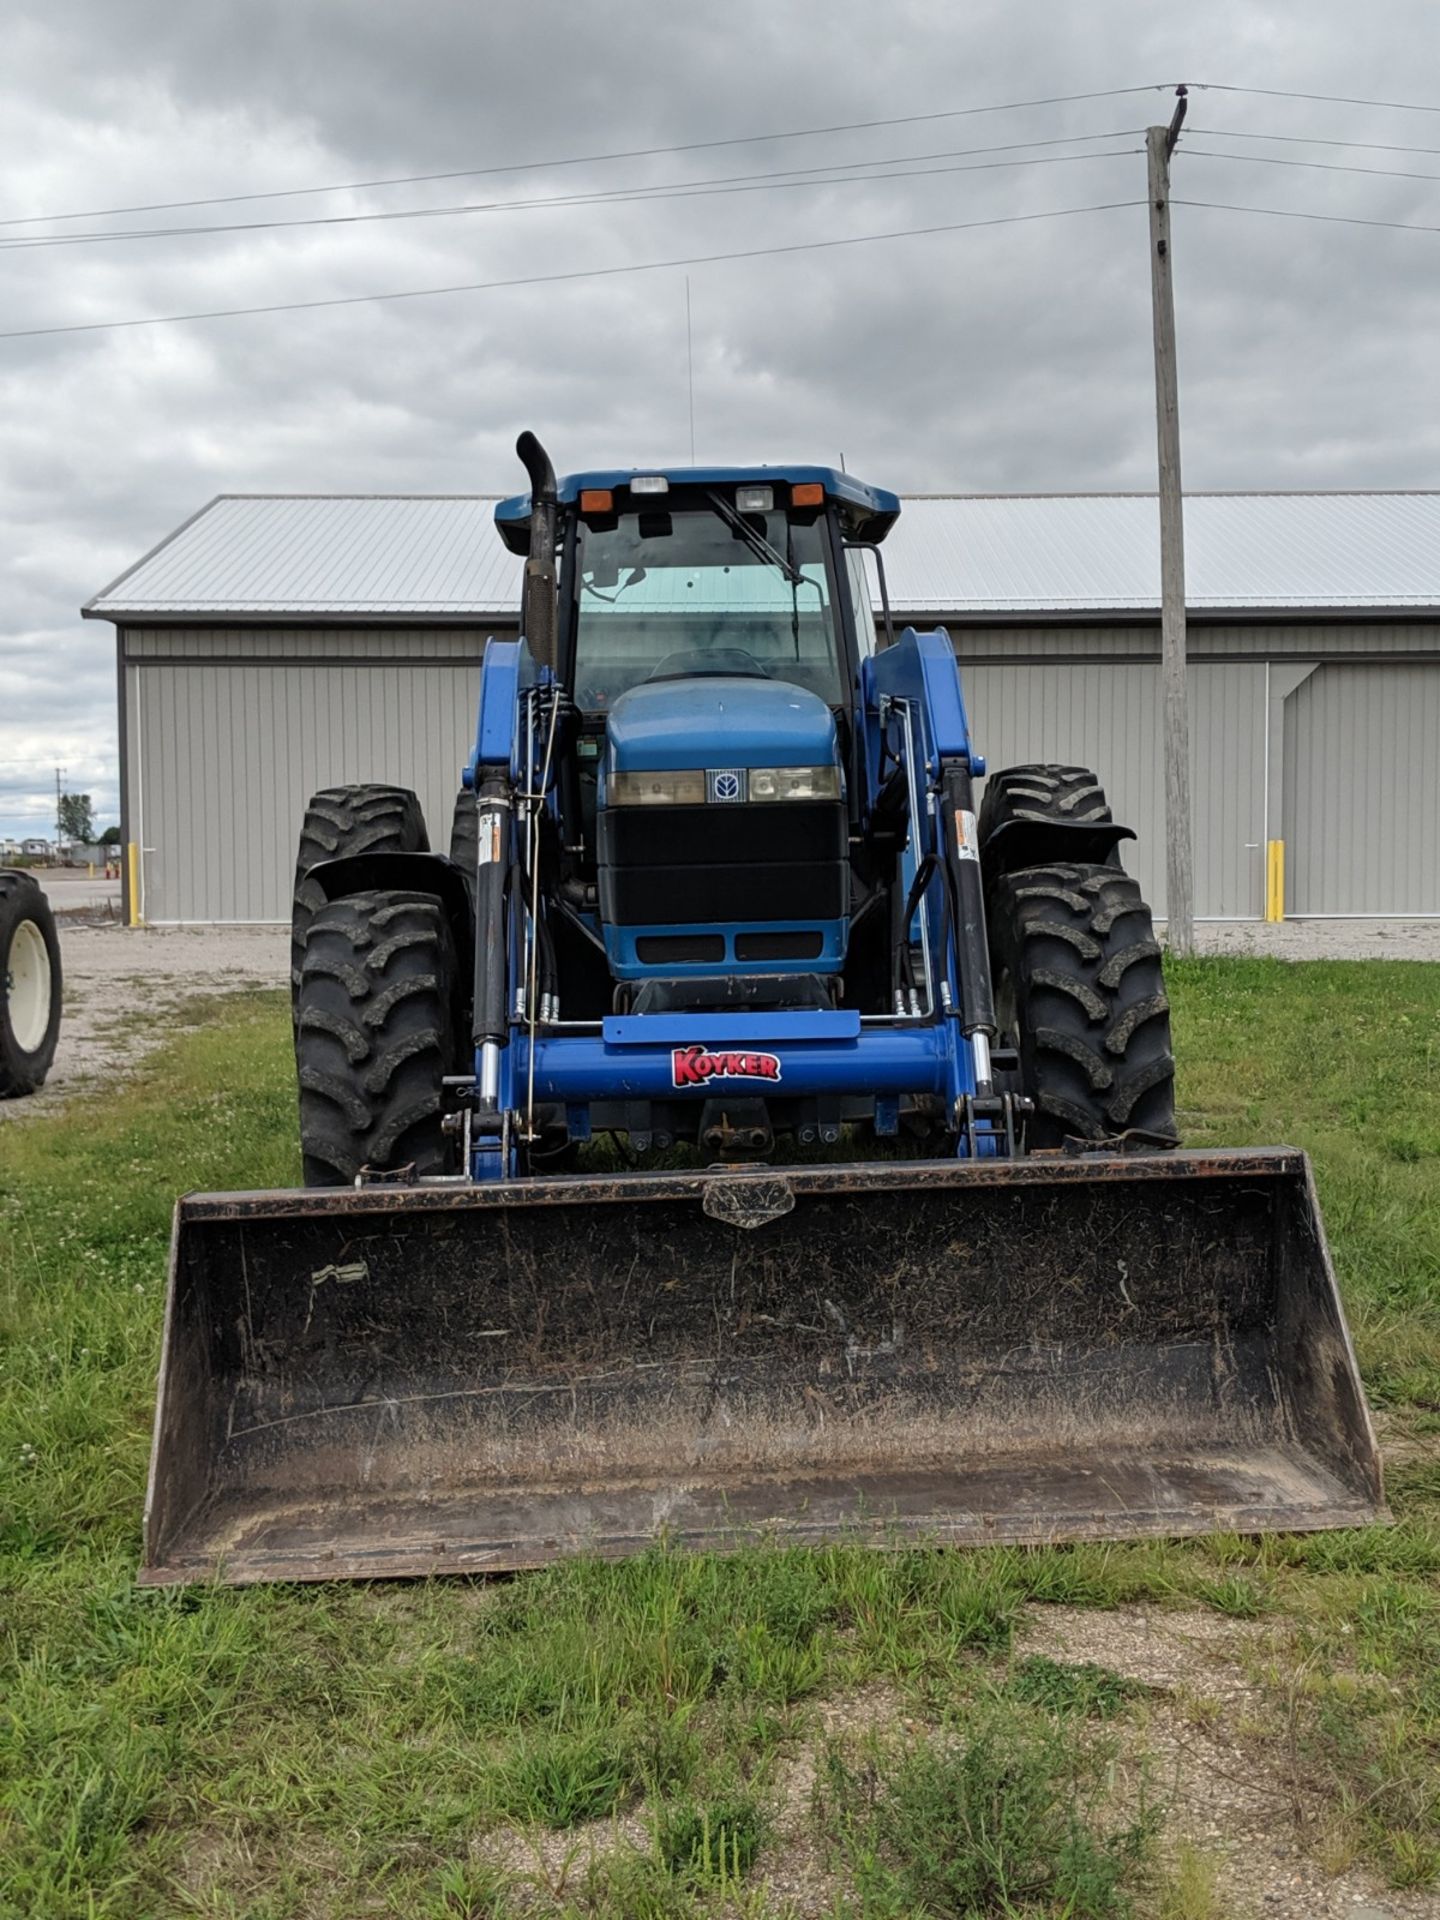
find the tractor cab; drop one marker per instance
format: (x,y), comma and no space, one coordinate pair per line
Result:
(711,630)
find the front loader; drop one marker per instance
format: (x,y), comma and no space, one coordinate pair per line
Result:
(738,1134)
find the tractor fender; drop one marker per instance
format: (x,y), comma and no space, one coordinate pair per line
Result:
(1035,843)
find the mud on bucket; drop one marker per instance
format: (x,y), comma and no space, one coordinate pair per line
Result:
(408,1381)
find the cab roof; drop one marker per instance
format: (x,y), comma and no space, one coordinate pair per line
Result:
(867,512)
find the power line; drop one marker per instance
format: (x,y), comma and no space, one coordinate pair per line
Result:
(577,273)
(588,159)
(621,196)
(1310,140)
(1319,166)
(1294,213)
(1330,99)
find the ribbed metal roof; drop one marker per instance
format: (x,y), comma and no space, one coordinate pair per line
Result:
(1075,553)
(310,555)
(438,556)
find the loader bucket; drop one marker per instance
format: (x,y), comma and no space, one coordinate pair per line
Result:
(439,1379)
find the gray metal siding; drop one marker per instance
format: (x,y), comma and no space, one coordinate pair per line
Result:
(227,736)
(289,643)
(1107,716)
(1362,791)
(1253,641)
(224,758)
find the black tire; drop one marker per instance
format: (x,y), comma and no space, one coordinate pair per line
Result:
(1080,991)
(30,984)
(1043,792)
(465,837)
(340,821)
(374,1037)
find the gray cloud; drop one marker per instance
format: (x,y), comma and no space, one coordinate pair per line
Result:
(1005,358)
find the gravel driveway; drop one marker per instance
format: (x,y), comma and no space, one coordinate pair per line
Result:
(126,991)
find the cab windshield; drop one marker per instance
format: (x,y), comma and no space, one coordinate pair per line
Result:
(663,594)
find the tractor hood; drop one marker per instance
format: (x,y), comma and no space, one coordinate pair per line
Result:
(716,720)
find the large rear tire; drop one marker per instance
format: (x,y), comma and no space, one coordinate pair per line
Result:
(340,821)
(29,985)
(1043,793)
(1080,991)
(375,1035)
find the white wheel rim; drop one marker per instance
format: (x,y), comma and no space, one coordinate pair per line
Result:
(28,984)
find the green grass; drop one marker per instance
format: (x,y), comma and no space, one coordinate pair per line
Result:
(1011,1816)
(1082,1688)
(338,1750)
(1341,1058)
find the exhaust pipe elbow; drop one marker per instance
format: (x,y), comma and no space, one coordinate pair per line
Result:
(541,605)
(537,464)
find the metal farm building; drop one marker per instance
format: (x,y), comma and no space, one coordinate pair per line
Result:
(273,645)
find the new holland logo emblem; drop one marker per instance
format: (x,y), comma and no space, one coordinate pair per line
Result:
(727,784)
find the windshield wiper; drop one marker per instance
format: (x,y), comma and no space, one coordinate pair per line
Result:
(755,541)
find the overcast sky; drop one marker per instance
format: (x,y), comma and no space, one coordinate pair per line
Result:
(1007,358)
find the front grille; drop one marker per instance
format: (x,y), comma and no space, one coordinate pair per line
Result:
(678,949)
(745,864)
(779,946)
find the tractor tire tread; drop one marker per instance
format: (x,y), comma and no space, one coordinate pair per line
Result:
(339,822)
(1080,990)
(1113,971)
(376,1033)
(353,1038)
(1118,1038)
(1096,1006)
(1044,791)
(1057,1040)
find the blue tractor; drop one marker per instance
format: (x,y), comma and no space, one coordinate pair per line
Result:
(738,1129)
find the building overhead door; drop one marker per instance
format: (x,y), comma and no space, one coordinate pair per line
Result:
(1362,790)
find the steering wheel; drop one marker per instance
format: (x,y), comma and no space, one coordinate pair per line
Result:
(711,662)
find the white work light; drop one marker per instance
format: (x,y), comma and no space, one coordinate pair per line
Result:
(649,483)
(755,499)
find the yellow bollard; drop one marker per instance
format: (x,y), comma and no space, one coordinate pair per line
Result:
(132,867)
(1275,880)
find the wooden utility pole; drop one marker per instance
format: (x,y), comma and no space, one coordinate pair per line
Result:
(1179,860)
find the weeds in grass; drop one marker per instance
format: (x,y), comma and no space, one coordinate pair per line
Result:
(1234,1594)
(562,1779)
(1006,1819)
(1084,1689)
(1190,1890)
(712,1842)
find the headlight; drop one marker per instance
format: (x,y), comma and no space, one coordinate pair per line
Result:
(794,783)
(691,787)
(683,788)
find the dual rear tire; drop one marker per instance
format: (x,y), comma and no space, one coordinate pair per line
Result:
(375,1036)
(375,995)
(1077,973)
